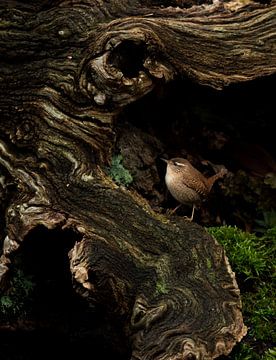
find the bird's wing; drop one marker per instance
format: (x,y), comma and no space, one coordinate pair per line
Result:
(198,186)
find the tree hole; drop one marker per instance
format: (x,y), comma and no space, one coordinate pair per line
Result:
(129,57)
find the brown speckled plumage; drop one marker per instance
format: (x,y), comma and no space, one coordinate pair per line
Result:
(188,185)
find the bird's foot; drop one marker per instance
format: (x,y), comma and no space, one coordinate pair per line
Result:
(170,212)
(192,216)
(190,219)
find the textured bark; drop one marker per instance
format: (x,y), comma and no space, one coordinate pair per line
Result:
(67,68)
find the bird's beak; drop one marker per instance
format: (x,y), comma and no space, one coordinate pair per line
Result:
(166,161)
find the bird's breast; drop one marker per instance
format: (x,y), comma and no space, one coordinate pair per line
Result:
(180,191)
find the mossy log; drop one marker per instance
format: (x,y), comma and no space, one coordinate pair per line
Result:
(67,68)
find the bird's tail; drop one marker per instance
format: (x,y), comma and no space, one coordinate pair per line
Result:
(214,178)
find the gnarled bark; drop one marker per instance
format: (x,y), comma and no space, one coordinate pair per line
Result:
(67,69)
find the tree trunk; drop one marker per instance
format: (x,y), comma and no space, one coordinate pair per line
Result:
(67,71)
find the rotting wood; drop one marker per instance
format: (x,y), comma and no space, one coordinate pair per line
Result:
(65,75)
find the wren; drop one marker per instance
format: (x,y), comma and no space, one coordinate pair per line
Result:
(188,185)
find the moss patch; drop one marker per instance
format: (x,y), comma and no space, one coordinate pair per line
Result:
(118,172)
(14,302)
(161,288)
(252,258)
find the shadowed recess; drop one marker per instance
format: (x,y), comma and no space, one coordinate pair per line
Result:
(58,321)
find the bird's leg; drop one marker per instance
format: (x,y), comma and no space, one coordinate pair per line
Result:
(192,216)
(171,212)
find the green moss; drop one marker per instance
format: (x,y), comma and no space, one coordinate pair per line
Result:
(252,259)
(210,272)
(270,354)
(161,288)
(259,308)
(267,223)
(118,173)
(14,301)
(209,264)
(250,255)
(246,352)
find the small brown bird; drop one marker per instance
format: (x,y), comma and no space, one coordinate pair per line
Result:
(188,185)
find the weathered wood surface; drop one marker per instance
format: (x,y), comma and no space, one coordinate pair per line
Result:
(66,70)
